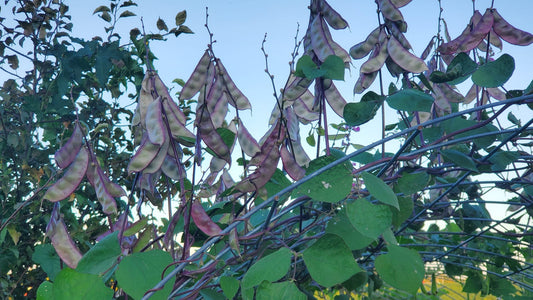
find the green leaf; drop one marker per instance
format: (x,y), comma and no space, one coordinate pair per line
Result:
(136,227)
(330,261)
(139,272)
(341,226)
(331,186)
(402,268)
(500,287)
(209,294)
(306,68)
(279,290)
(494,73)
(334,67)
(513,119)
(502,159)
(410,100)
(474,282)
(410,183)
(161,25)
(458,70)
(271,268)
(406,210)
(101,256)
(229,286)
(181,17)
(369,219)
(70,284)
(459,159)
(106,16)
(46,256)
(101,8)
(276,183)
(359,113)
(311,140)
(183,29)
(380,190)
(126,14)
(45,291)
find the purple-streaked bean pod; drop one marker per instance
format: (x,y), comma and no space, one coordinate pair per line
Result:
(177,128)
(450,93)
(171,169)
(303,108)
(247,142)
(198,78)
(145,98)
(236,98)
(226,178)
(389,10)
(395,31)
(295,87)
(220,110)
(377,58)
(442,103)
(429,48)
(162,91)
(496,93)
(214,92)
(495,40)
(400,3)
(216,165)
(154,123)
(364,81)
(203,220)
(67,153)
(293,125)
(209,135)
(144,155)
(264,171)
(70,180)
(275,134)
(299,154)
(103,187)
(156,163)
(404,58)
(393,67)
(362,49)
(290,165)
(335,99)
(509,33)
(322,43)
(65,247)
(472,93)
(334,19)
(468,40)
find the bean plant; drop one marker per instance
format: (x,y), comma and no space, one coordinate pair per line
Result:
(186,202)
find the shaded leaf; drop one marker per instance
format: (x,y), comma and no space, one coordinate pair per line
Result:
(410,100)
(101,256)
(494,73)
(402,268)
(369,219)
(279,290)
(271,268)
(380,190)
(181,17)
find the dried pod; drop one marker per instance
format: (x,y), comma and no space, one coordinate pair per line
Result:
(198,78)
(322,43)
(362,49)
(469,40)
(71,179)
(404,58)
(509,33)
(104,188)
(377,58)
(154,123)
(364,81)
(248,144)
(67,153)
(303,108)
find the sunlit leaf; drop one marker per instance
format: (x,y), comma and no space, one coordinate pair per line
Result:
(402,268)
(380,190)
(369,219)
(279,290)
(101,256)
(70,284)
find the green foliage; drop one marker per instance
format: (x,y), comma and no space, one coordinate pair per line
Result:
(270,268)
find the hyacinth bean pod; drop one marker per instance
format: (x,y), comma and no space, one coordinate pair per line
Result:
(209,135)
(104,188)
(177,128)
(334,19)
(428,49)
(70,180)
(450,93)
(377,58)
(67,153)
(363,48)
(400,3)
(203,221)
(404,58)
(290,165)
(145,98)
(154,123)
(322,43)
(146,152)
(335,99)
(395,31)
(509,33)
(162,91)
(389,10)
(275,134)
(236,98)
(294,88)
(247,142)
(156,163)
(468,40)
(198,78)
(214,92)
(364,81)
(171,169)
(442,103)
(265,168)
(292,124)
(65,247)
(494,39)
(303,108)
(496,93)
(220,110)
